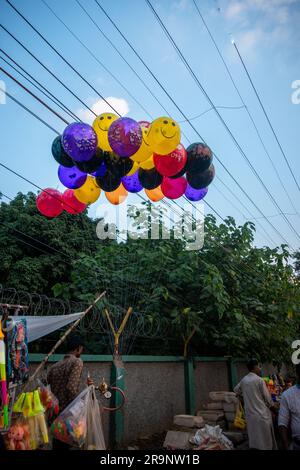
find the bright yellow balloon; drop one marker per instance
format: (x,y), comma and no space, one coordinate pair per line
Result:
(145,151)
(148,164)
(101,125)
(155,194)
(133,169)
(89,192)
(118,196)
(164,135)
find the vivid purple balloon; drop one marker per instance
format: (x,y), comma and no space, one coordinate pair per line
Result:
(132,183)
(79,141)
(71,178)
(101,170)
(195,194)
(125,137)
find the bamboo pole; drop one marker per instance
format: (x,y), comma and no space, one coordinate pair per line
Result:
(62,339)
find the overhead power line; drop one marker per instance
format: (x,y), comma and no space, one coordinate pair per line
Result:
(246,107)
(266,116)
(185,116)
(197,81)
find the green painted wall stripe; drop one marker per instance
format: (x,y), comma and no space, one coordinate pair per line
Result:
(33,357)
(189,381)
(108,358)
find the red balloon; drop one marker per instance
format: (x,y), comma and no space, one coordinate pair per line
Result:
(171,164)
(49,202)
(71,203)
(173,189)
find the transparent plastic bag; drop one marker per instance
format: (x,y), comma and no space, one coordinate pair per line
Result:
(71,425)
(94,436)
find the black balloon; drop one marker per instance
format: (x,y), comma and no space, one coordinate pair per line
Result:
(59,154)
(150,179)
(109,182)
(199,157)
(93,164)
(118,165)
(202,179)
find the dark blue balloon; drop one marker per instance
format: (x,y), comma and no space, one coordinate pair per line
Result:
(195,194)
(132,183)
(100,171)
(72,177)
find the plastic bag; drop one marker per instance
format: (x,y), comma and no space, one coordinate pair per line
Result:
(29,405)
(211,438)
(49,401)
(94,436)
(70,425)
(239,421)
(79,425)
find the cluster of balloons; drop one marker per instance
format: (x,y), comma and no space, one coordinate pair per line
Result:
(121,156)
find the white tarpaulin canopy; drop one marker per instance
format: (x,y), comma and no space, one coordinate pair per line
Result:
(38,326)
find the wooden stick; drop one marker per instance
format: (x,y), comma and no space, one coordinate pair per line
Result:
(62,339)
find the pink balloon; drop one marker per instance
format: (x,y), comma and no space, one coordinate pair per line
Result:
(171,164)
(49,202)
(173,188)
(71,203)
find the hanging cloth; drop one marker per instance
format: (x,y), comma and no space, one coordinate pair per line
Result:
(38,326)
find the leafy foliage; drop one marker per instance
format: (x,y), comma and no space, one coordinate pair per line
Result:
(239,300)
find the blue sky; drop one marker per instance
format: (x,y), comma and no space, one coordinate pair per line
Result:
(267,34)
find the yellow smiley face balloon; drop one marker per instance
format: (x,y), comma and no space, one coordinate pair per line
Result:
(101,125)
(88,192)
(145,151)
(147,164)
(164,135)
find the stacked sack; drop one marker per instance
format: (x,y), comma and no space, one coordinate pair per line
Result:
(220,410)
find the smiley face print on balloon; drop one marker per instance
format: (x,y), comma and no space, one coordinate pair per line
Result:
(101,125)
(145,151)
(164,135)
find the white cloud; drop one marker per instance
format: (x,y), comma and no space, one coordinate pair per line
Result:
(100,106)
(248,40)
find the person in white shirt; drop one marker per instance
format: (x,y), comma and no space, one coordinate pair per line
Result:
(258,404)
(289,415)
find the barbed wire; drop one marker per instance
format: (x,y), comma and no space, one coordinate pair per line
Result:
(140,325)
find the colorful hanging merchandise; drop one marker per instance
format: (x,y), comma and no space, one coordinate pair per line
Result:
(4,394)
(17,354)
(29,431)
(79,425)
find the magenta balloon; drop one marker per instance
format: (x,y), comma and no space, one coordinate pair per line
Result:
(79,141)
(125,137)
(71,178)
(132,183)
(195,194)
(173,189)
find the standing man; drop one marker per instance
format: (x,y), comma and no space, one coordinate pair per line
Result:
(258,404)
(64,378)
(289,414)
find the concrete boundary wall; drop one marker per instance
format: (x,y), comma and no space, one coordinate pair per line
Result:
(156,388)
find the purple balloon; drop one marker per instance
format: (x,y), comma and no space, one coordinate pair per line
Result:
(79,141)
(132,183)
(71,178)
(101,170)
(125,137)
(195,194)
